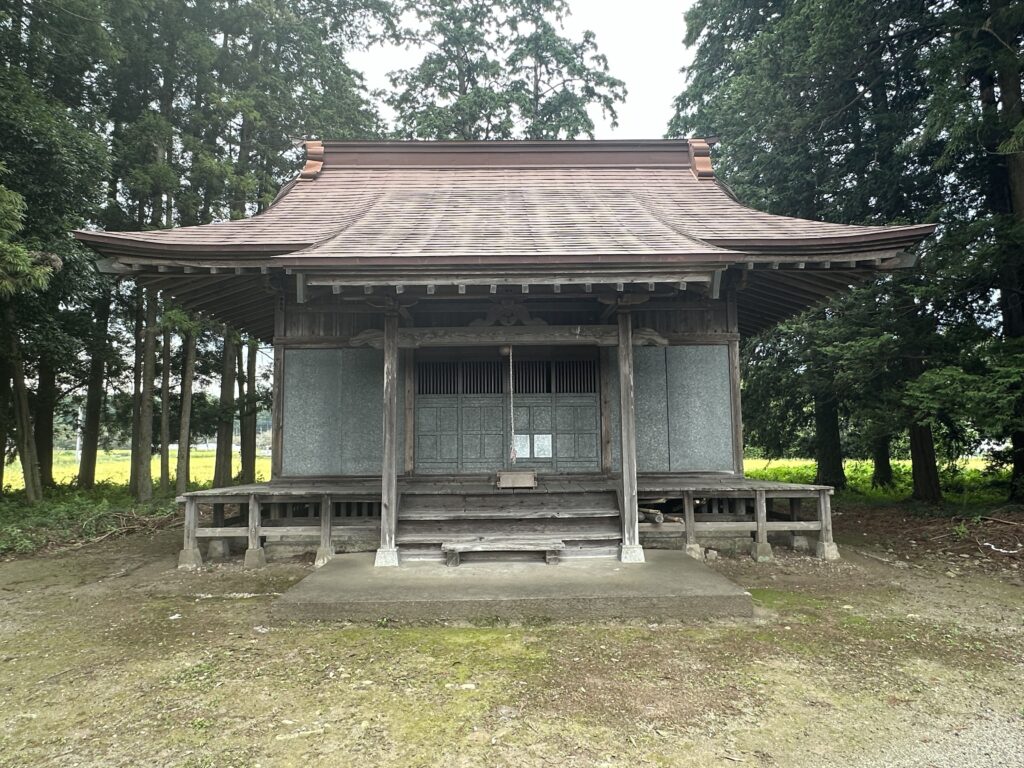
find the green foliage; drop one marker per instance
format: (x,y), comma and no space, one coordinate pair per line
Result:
(69,516)
(858,113)
(500,71)
(971,485)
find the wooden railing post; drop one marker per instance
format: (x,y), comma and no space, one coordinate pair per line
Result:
(190,558)
(798,539)
(693,549)
(827,549)
(761,550)
(630,551)
(217,549)
(255,557)
(387,554)
(326,550)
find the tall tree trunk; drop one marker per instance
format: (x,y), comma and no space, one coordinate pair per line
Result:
(94,391)
(923,464)
(250,416)
(828,449)
(226,413)
(165,414)
(5,416)
(138,327)
(1012,277)
(184,422)
(45,403)
(24,433)
(144,471)
(247,411)
(881,458)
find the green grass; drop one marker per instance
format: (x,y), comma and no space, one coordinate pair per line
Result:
(969,486)
(68,515)
(113,467)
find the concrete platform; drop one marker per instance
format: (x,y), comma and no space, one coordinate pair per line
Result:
(669,585)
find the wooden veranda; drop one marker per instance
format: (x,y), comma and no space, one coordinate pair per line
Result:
(433,512)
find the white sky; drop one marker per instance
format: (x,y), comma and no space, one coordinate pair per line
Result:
(641,38)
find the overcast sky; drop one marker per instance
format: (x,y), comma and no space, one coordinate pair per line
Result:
(642,40)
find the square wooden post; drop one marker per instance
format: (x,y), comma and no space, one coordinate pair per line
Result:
(255,557)
(217,549)
(827,549)
(326,549)
(387,554)
(798,539)
(190,558)
(693,549)
(761,550)
(630,551)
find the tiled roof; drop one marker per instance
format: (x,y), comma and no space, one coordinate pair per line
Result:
(504,203)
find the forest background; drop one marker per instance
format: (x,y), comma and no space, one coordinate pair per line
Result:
(142,114)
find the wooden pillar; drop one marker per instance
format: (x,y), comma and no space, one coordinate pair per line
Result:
(190,558)
(827,549)
(798,539)
(693,549)
(217,549)
(761,550)
(326,550)
(387,554)
(255,557)
(630,551)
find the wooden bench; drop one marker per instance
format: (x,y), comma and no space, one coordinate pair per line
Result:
(550,547)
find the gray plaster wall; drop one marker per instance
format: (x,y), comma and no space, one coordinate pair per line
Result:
(333,412)
(683,409)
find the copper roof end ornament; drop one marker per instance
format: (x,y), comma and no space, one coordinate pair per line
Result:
(700,159)
(314,160)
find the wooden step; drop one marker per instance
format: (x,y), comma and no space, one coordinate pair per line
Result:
(507,506)
(453,549)
(578,529)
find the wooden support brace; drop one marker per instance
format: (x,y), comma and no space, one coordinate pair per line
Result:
(630,550)
(217,549)
(798,541)
(326,549)
(693,549)
(255,557)
(827,549)
(190,559)
(387,553)
(761,550)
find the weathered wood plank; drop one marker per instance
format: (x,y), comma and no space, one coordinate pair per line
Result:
(326,549)
(387,554)
(255,557)
(761,550)
(827,549)
(631,551)
(190,558)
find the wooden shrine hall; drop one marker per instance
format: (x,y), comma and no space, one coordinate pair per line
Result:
(506,349)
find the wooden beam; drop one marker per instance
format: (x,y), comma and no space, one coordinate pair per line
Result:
(409,376)
(255,557)
(716,284)
(827,549)
(190,559)
(387,553)
(693,549)
(524,335)
(605,362)
(300,288)
(326,549)
(630,550)
(761,550)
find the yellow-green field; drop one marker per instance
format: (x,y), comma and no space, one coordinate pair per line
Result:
(114,467)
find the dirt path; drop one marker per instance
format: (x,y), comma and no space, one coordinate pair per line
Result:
(111,657)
